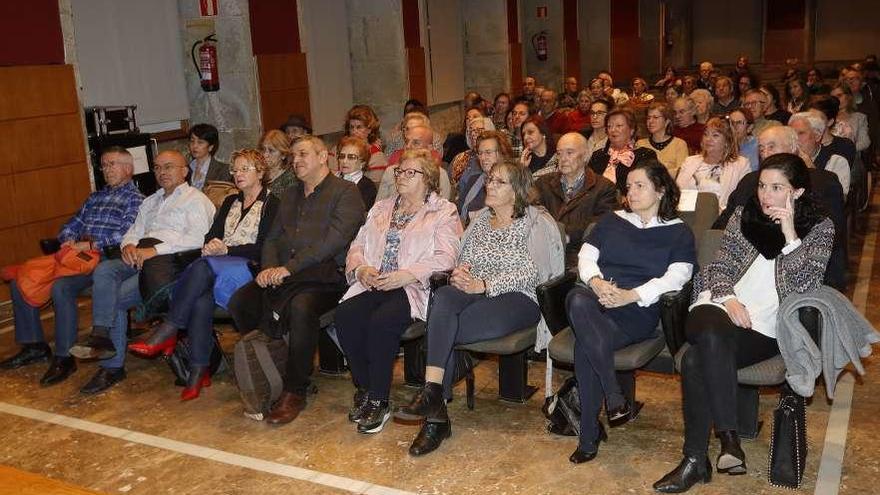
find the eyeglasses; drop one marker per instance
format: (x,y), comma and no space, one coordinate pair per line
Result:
(598,112)
(111,164)
(165,168)
(408,173)
(242,170)
(495,181)
(487,152)
(344,156)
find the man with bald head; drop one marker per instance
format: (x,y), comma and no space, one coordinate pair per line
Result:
(569,95)
(826,190)
(574,194)
(172,220)
(416,138)
(100,223)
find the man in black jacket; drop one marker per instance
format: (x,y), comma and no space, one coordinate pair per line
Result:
(302,261)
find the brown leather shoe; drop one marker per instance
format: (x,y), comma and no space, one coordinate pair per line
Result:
(287,408)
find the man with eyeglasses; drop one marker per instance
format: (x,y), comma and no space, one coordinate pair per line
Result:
(302,268)
(755,101)
(172,220)
(100,223)
(686,126)
(419,137)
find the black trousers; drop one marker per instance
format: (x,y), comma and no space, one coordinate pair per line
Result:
(597,336)
(708,372)
(461,318)
(369,326)
(303,324)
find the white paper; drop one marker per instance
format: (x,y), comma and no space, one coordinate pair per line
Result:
(688,200)
(141,165)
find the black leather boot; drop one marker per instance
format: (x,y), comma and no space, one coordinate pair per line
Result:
(732,459)
(690,471)
(427,403)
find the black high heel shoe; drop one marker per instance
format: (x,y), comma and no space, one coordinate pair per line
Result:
(624,413)
(580,457)
(688,473)
(732,459)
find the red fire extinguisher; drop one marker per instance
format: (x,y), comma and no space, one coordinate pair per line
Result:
(539,43)
(206,65)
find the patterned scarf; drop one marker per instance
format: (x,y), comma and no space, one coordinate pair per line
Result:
(615,157)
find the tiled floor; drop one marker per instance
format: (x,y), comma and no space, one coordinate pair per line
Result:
(497,448)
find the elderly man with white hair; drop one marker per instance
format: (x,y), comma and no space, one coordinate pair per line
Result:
(810,127)
(826,189)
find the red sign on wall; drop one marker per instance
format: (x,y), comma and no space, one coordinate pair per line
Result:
(541,12)
(207,7)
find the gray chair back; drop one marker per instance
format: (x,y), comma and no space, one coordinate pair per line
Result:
(704,215)
(707,246)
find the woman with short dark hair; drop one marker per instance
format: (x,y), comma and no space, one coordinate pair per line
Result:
(539,148)
(204,139)
(777,244)
(628,261)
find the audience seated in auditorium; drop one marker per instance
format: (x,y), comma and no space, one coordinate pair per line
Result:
(686,126)
(741,69)
(234,240)
(172,220)
(719,168)
(515,119)
(796,96)
(705,73)
(555,117)
(740,121)
(725,99)
(669,79)
(361,122)
(353,158)
(850,124)
(568,97)
(301,276)
(810,128)
(670,150)
(777,244)
(703,100)
(417,137)
(539,147)
(640,95)
(575,195)
(99,224)
(204,139)
(688,85)
(755,101)
(456,142)
(279,176)
(501,107)
(405,239)
(529,84)
(596,89)
(492,147)
(815,84)
(627,262)
(508,249)
(417,115)
(619,154)
(672,93)
(467,158)
(597,138)
(579,117)
(826,191)
(614,94)
(772,110)
(744,83)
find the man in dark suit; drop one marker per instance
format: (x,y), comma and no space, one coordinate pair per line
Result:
(301,276)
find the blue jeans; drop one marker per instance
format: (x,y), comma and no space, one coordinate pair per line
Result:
(115,291)
(29,329)
(192,307)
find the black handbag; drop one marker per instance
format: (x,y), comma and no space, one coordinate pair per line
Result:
(788,441)
(179,361)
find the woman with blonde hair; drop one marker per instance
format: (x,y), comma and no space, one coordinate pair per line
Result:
(276,149)
(233,242)
(719,168)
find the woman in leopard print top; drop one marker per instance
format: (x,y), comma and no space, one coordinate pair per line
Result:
(491,292)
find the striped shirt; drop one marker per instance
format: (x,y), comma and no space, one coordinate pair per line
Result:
(105,216)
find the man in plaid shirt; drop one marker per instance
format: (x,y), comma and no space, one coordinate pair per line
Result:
(101,222)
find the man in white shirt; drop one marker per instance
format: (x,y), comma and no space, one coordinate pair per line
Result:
(172,220)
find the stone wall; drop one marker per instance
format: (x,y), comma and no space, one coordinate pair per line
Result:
(548,72)
(486,51)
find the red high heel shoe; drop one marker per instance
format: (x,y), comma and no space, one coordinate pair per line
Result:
(192,392)
(164,338)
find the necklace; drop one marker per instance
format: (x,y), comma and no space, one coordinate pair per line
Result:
(659,145)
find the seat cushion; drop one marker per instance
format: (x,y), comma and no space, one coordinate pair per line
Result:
(414,331)
(509,344)
(762,374)
(629,358)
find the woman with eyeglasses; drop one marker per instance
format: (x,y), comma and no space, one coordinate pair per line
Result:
(233,242)
(491,147)
(719,168)
(405,238)
(353,156)
(468,158)
(777,244)
(276,150)
(740,121)
(508,249)
(670,150)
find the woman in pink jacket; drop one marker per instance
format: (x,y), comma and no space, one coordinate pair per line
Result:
(406,238)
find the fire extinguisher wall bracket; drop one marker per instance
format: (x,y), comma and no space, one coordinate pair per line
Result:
(206,63)
(539,44)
